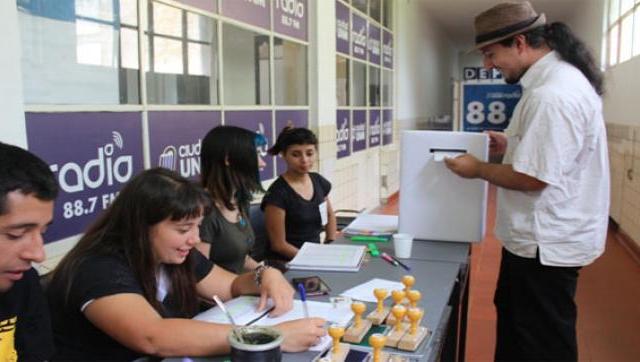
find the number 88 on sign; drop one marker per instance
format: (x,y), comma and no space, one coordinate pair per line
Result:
(488,106)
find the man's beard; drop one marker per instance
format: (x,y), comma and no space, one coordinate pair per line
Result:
(515,79)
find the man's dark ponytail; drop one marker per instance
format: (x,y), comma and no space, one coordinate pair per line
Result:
(560,38)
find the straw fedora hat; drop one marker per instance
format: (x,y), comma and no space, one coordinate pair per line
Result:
(504,21)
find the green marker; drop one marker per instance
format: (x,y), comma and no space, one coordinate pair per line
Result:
(368,238)
(373,249)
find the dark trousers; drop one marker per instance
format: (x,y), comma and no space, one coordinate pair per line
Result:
(536,311)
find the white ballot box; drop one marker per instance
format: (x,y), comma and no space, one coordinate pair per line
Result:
(435,203)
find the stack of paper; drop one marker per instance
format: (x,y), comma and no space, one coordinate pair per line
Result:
(313,256)
(372,224)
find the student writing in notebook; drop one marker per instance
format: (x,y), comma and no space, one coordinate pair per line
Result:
(131,284)
(296,206)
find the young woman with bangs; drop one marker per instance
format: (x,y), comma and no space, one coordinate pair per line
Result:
(131,284)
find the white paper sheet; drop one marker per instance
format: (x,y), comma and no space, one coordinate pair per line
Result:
(373,224)
(364,291)
(243,310)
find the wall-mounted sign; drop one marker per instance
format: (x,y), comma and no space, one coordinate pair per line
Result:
(290,18)
(359,124)
(343,139)
(254,12)
(92,155)
(387,49)
(387,126)
(342,28)
(374,44)
(175,139)
(293,118)
(479,73)
(374,128)
(256,121)
(488,106)
(358,36)
(207,5)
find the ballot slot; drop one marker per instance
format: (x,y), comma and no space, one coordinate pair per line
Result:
(439,154)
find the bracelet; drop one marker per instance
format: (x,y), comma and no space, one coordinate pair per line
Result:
(258,273)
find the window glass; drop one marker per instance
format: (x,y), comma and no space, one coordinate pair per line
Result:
(613,45)
(359,85)
(387,88)
(342,80)
(626,38)
(290,72)
(636,32)
(614,11)
(246,66)
(360,5)
(625,5)
(69,46)
(374,86)
(387,13)
(374,9)
(183,61)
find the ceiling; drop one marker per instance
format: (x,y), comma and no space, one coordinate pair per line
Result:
(456,16)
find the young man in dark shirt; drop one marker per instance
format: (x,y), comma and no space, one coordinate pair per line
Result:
(27,191)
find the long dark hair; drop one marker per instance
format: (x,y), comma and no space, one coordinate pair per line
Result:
(293,136)
(560,38)
(123,229)
(229,164)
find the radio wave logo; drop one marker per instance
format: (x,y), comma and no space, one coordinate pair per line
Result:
(168,158)
(117,139)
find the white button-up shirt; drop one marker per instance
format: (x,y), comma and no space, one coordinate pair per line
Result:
(557,135)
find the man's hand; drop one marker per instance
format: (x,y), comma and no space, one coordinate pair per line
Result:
(465,166)
(497,143)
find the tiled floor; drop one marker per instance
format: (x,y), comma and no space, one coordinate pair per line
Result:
(608,300)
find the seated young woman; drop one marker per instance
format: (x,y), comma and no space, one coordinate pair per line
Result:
(131,284)
(296,205)
(230,164)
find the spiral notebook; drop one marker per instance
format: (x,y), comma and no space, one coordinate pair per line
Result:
(313,256)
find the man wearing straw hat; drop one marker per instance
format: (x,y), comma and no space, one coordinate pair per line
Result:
(553,194)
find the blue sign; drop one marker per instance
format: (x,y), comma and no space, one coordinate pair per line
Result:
(488,106)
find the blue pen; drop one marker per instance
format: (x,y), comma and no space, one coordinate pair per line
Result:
(303,298)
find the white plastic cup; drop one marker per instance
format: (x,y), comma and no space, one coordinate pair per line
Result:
(402,244)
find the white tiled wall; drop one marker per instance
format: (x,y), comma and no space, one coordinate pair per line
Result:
(624,156)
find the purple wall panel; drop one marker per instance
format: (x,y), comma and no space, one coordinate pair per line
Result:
(92,155)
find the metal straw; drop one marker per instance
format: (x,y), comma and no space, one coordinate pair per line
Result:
(233,323)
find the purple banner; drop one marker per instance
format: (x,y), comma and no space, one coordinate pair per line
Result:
(358,36)
(295,119)
(387,49)
(387,126)
(342,28)
(374,127)
(207,5)
(91,155)
(175,139)
(254,12)
(342,133)
(260,122)
(290,18)
(359,124)
(374,44)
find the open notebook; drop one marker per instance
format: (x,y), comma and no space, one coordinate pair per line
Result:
(312,256)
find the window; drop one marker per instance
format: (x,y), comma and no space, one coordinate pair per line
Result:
(246,66)
(183,62)
(342,81)
(69,46)
(622,35)
(290,68)
(374,86)
(359,83)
